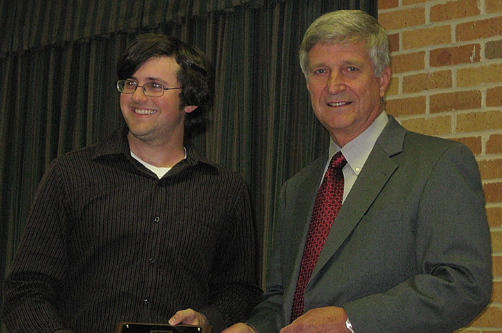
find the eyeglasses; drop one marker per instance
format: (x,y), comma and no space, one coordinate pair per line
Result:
(149,89)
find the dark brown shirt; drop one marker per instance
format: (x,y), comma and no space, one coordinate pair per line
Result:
(107,241)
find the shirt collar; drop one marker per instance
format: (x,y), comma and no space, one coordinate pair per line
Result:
(356,152)
(116,146)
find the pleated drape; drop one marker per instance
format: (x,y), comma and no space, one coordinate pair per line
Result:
(57,73)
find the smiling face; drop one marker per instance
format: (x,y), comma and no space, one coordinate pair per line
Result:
(345,94)
(155,120)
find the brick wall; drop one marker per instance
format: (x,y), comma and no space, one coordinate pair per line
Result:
(447,81)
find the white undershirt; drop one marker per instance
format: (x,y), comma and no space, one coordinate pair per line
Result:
(159,171)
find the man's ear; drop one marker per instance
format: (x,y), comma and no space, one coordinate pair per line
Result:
(190,108)
(385,80)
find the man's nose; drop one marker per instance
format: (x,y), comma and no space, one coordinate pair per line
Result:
(139,94)
(335,84)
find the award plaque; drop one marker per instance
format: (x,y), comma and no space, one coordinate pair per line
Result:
(126,327)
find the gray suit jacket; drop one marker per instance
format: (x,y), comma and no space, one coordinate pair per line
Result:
(409,250)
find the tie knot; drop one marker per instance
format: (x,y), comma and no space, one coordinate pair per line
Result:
(338,161)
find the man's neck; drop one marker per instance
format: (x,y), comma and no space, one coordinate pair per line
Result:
(165,154)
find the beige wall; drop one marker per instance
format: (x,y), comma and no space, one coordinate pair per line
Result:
(447,81)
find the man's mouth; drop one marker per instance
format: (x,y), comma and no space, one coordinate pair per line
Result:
(144,112)
(338,103)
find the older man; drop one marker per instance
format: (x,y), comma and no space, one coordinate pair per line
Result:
(396,237)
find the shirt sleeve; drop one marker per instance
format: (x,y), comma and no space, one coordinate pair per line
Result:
(30,290)
(234,287)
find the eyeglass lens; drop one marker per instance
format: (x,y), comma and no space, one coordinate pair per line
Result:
(149,89)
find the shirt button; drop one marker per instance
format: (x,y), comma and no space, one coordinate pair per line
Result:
(157,219)
(145,301)
(152,261)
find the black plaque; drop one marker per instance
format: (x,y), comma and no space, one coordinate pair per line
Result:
(125,327)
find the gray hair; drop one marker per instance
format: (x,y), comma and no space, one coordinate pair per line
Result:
(348,26)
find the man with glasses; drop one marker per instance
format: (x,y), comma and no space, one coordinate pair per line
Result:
(140,227)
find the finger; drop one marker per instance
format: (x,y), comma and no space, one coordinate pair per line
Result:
(179,317)
(239,328)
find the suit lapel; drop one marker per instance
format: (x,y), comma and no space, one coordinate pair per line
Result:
(301,213)
(377,170)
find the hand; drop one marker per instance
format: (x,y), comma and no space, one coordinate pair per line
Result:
(239,328)
(188,317)
(328,319)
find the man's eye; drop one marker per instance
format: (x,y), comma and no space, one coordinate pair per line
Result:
(351,69)
(156,86)
(130,83)
(320,71)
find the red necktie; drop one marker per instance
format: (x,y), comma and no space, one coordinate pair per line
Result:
(326,207)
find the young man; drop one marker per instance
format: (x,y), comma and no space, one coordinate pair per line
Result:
(409,249)
(139,227)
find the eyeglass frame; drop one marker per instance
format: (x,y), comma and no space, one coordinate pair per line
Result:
(143,86)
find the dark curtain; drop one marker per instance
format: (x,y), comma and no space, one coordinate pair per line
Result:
(57,67)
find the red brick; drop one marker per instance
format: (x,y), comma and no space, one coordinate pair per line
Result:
(474,76)
(491,317)
(454,10)
(496,241)
(393,88)
(455,55)
(479,29)
(387,4)
(493,50)
(494,215)
(490,169)
(497,292)
(493,6)
(493,193)
(408,62)
(427,81)
(431,126)
(405,106)
(497,266)
(494,144)
(402,18)
(494,96)
(394,42)
(432,36)
(413,2)
(474,143)
(461,100)
(479,121)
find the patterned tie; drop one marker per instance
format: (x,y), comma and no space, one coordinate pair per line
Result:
(326,207)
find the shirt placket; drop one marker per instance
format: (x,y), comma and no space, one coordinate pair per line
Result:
(153,226)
